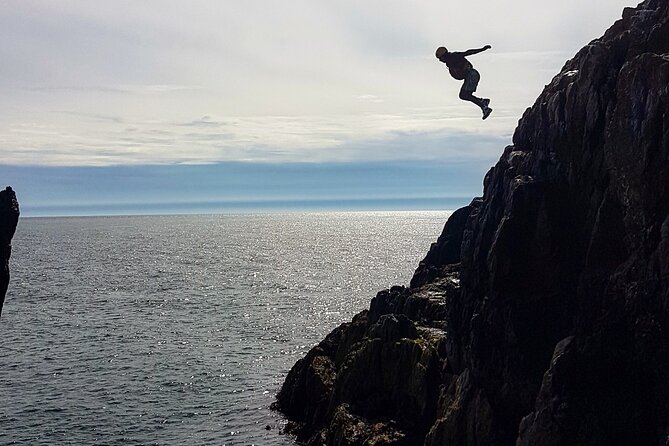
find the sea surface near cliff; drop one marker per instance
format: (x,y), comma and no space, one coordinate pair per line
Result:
(180,329)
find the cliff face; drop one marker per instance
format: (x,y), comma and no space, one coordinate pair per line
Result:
(541,314)
(9,218)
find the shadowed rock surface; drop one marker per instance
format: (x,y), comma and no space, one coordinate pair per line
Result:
(540,315)
(9,218)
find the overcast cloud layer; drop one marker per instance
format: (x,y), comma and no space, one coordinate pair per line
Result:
(127,82)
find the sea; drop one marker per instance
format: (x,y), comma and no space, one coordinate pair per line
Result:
(179,330)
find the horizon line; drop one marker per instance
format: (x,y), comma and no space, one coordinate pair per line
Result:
(395,204)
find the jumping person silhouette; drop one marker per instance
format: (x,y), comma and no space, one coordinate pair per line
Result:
(461,69)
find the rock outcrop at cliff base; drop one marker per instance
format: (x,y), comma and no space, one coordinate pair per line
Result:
(540,316)
(9,218)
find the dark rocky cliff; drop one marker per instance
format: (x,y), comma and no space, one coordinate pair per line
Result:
(541,314)
(9,218)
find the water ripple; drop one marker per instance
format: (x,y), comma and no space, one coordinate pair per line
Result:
(179,329)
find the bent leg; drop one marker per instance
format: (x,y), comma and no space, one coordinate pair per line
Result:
(469,87)
(468,96)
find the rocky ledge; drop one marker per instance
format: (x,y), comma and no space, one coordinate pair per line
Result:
(540,315)
(9,218)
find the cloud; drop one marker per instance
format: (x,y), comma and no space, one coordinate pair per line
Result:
(205,121)
(369,97)
(122,89)
(72,88)
(166,88)
(429,134)
(92,116)
(267,81)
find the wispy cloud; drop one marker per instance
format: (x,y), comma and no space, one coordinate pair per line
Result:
(77,88)
(97,83)
(120,89)
(91,116)
(420,135)
(369,97)
(205,121)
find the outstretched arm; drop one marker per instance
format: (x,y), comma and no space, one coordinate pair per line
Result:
(476,51)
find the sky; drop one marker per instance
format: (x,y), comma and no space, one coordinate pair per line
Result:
(294,97)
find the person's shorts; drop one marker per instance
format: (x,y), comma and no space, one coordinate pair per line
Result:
(471,81)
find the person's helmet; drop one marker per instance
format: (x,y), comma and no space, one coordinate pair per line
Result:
(440,52)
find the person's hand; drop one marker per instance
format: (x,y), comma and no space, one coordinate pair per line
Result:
(487,47)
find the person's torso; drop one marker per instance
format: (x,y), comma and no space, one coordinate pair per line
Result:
(457,65)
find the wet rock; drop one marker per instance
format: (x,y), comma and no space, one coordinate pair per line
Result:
(392,327)
(425,305)
(446,250)
(9,218)
(306,392)
(386,384)
(347,429)
(463,418)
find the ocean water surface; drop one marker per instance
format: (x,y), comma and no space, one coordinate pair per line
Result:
(172,330)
